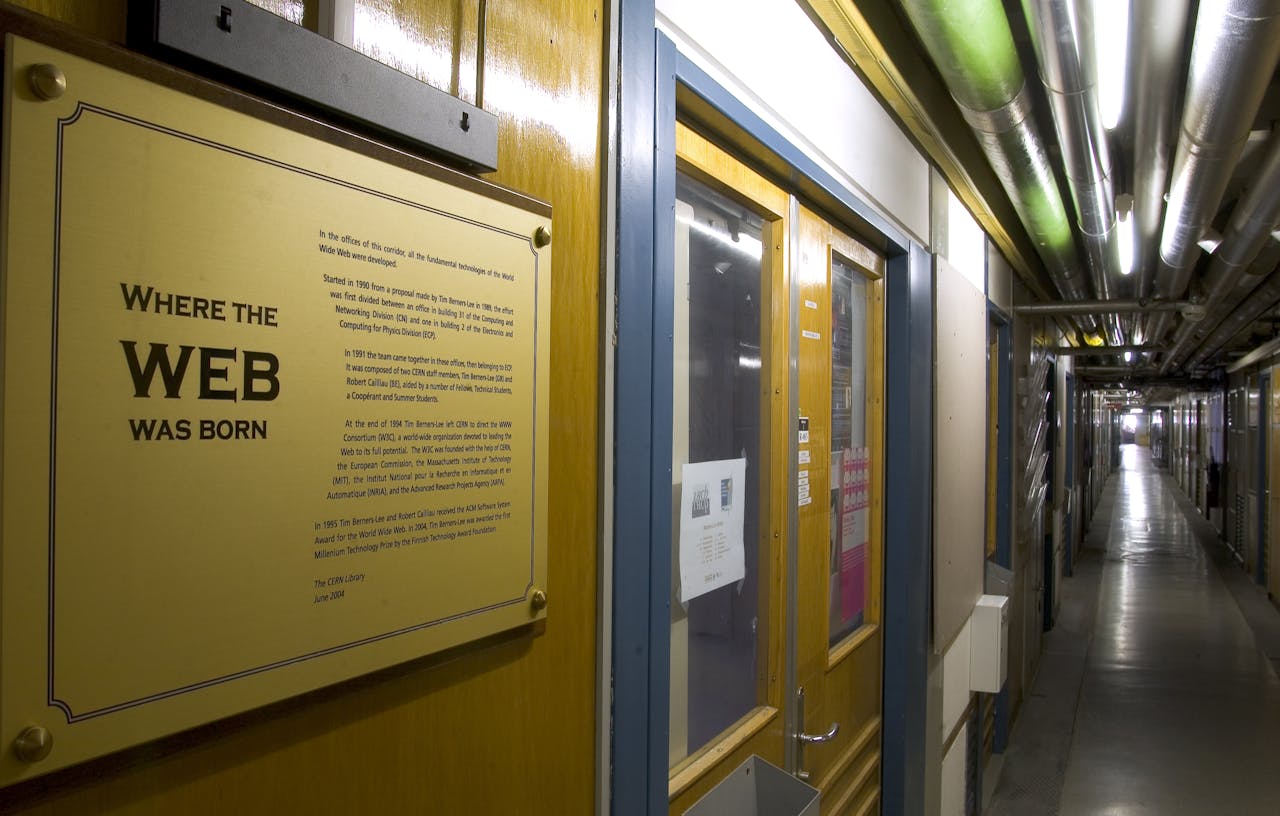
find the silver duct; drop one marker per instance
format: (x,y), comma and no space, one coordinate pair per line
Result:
(1016,153)
(1248,232)
(1158,32)
(1062,34)
(1237,45)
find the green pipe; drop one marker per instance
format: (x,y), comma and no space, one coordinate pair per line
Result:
(972,46)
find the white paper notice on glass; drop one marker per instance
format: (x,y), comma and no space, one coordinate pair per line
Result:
(712,497)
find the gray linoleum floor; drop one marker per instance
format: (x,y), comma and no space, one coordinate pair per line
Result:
(1157,691)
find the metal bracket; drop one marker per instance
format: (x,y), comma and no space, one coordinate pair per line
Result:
(255,45)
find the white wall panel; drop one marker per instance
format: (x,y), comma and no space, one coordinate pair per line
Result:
(960,455)
(999,279)
(773,58)
(953,776)
(966,243)
(955,680)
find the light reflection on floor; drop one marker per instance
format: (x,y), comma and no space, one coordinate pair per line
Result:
(1179,712)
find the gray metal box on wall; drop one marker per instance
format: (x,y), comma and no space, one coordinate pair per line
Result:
(758,788)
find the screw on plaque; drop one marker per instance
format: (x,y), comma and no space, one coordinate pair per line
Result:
(47,81)
(538,600)
(33,744)
(224,19)
(541,237)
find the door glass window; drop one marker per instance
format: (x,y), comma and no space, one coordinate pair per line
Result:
(717,632)
(851,464)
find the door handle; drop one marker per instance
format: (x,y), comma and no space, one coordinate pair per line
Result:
(812,739)
(803,739)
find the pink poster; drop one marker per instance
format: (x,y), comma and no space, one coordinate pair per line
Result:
(855,500)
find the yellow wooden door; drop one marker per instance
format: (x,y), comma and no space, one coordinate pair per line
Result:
(730,372)
(827,480)
(839,641)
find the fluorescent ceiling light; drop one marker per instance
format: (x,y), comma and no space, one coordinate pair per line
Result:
(1111,54)
(745,243)
(1124,241)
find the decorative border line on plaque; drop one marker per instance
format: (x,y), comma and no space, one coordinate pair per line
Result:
(84,107)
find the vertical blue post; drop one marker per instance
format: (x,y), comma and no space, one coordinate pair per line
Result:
(660,543)
(636,750)
(908,587)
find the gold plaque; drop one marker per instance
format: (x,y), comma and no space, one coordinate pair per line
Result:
(274,412)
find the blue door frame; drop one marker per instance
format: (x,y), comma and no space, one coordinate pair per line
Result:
(1004,483)
(1263,480)
(651,71)
(1050,573)
(1069,478)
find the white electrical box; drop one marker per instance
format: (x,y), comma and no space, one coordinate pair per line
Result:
(989,644)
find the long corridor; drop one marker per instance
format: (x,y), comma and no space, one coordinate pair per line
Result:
(1156,694)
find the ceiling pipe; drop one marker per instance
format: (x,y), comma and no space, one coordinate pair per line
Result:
(1158,33)
(1131,380)
(1085,370)
(1260,301)
(1234,54)
(1247,233)
(972,47)
(1090,351)
(1102,307)
(1263,352)
(1062,35)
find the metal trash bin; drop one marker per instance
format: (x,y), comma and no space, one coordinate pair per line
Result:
(758,788)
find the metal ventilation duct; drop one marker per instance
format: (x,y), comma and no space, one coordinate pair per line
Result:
(1237,45)
(1158,32)
(972,47)
(1062,34)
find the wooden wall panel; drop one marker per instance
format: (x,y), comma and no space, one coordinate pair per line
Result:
(502,726)
(104,19)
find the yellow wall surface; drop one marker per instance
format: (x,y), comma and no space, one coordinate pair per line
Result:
(505,725)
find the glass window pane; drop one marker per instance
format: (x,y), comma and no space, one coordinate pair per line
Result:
(716,668)
(850,457)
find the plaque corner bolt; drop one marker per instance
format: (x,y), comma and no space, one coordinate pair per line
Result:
(541,237)
(47,81)
(538,600)
(33,744)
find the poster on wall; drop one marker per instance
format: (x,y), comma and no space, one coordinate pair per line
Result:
(712,497)
(253,383)
(855,501)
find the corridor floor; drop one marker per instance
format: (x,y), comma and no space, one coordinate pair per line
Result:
(1157,691)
